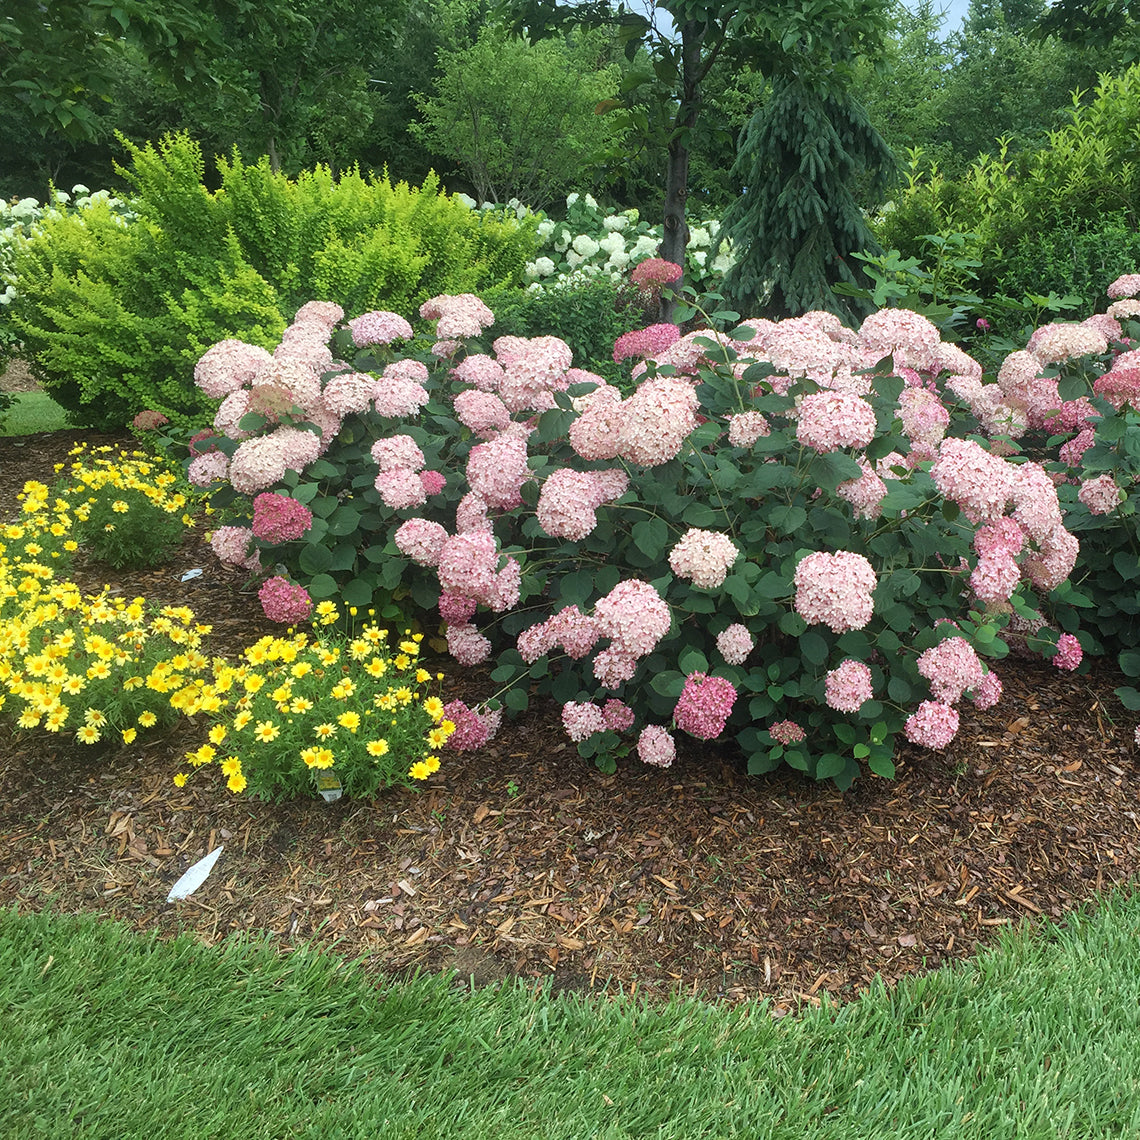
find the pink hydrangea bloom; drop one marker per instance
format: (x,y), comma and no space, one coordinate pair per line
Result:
(614,666)
(397,395)
(924,418)
(988,693)
(830,420)
(596,433)
(952,667)
(735,643)
(277,518)
(848,686)
(865,494)
(433,481)
(481,370)
(909,337)
(786,732)
(348,393)
(474,727)
(703,557)
(233,545)
(745,428)
(455,609)
(655,746)
(656,420)
(400,488)
(582,720)
(1054,561)
(1072,451)
(1123,309)
(1101,495)
(566,505)
(704,706)
(932,725)
(482,412)
(227,366)
(654,272)
(326,314)
(497,470)
(980,483)
(617,715)
(209,468)
(285,601)
(421,540)
(1056,342)
(577,633)
(647,342)
(467,645)
(995,577)
(1069,652)
(634,616)
(457,316)
(1127,285)
(257,464)
(378,327)
(471,514)
(835,589)
(397,451)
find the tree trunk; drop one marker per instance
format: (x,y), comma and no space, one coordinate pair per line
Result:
(676,232)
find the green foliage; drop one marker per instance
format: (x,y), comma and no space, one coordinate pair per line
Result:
(114,316)
(584,313)
(798,223)
(1086,179)
(519,118)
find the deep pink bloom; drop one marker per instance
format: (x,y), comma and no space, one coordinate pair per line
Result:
(473,726)
(704,706)
(932,725)
(285,601)
(1069,652)
(647,342)
(277,518)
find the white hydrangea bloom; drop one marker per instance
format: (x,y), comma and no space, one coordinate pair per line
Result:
(699,236)
(645,246)
(700,256)
(615,223)
(466,199)
(545,229)
(544,265)
(612,243)
(572,198)
(562,241)
(618,261)
(585,245)
(591,202)
(573,259)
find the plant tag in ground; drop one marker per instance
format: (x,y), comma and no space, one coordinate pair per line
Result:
(195,573)
(194,877)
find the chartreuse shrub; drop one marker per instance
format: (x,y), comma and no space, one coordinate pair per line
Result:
(779,538)
(1041,223)
(324,712)
(113,316)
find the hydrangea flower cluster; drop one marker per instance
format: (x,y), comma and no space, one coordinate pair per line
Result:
(568,502)
(735,643)
(378,327)
(704,706)
(835,589)
(284,601)
(474,727)
(704,557)
(848,686)
(656,746)
(277,518)
(932,725)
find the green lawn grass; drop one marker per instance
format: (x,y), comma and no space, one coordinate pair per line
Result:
(32,412)
(104,1033)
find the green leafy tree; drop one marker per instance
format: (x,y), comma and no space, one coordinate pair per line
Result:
(520,118)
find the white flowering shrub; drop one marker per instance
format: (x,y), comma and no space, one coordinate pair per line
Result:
(804,539)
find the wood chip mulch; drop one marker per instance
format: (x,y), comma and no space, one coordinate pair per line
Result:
(524,860)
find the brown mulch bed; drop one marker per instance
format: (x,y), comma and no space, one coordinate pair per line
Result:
(524,860)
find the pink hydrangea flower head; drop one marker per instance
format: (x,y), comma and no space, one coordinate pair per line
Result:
(577,633)
(654,273)
(656,420)
(378,327)
(581,720)
(645,343)
(480,370)
(988,693)
(735,643)
(1069,652)
(980,483)
(455,609)
(257,464)
(212,467)
(848,686)
(277,518)
(829,420)
(1054,343)
(634,616)
(1101,494)
(909,337)
(284,601)
(474,727)
(397,451)
(467,645)
(865,494)
(1053,562)
(952,667)
(656,746)
(227,366)
(471,514)
(400,488)
(458,316)
(566,505)
(704,706)
(433,481)
(233,545)
(1127,285)
(745,428)
(924,417)
(421,540)
(617,715)
(497,470)
(397,394)
(348,393)
(786,732)
(932,725)
(614,666)
(703,557)
(1072,451)
(325,314)
(483,413)
(835,589)
(995,577)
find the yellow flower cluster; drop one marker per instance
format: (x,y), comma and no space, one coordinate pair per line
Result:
(92,472)
(304,703)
